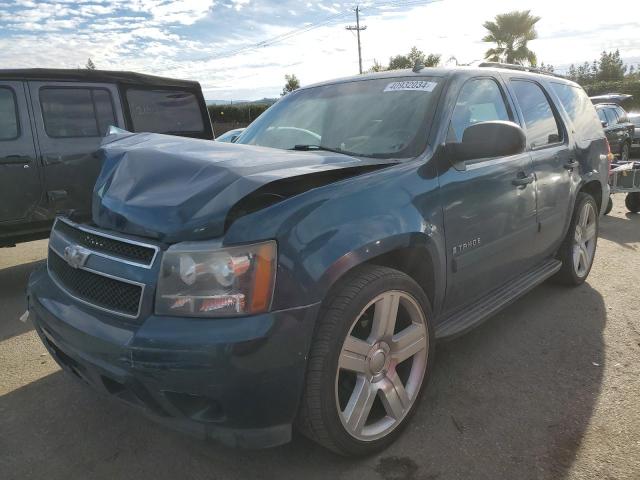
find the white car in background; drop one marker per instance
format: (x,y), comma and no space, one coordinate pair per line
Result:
(231,136)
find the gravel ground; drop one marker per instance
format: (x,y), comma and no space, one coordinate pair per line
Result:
(548,389)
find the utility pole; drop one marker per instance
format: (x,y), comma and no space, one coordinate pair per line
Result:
(358,28)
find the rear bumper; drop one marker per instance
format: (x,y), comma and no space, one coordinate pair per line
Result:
(236,380)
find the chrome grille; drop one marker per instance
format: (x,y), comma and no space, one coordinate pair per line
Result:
(96,289)
(104,244)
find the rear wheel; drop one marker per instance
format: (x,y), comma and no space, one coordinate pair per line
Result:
(371,356)
(632,201)
(579,247)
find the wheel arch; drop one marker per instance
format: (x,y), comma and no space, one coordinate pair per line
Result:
(594,188)
(417,255)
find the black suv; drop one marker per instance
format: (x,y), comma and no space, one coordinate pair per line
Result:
(618,129)
(302,275)
(51,124)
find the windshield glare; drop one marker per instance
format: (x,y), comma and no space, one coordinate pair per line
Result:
(386,118)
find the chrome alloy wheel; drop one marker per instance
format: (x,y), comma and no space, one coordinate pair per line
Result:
(584,244)
(381,365)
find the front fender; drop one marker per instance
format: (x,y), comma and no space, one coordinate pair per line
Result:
(325,232)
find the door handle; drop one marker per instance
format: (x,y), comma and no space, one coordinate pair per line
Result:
(522,180)
(15,160)
(571,164)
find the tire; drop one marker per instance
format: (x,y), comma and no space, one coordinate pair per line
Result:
(333,394)
(574,270)
(607,210)
(632,201)
(625,152)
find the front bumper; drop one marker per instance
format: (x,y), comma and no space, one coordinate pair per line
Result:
(236,380)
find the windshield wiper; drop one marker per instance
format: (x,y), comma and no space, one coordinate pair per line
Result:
(309,148)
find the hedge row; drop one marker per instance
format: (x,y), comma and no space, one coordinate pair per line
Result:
(631,87)
(245,113)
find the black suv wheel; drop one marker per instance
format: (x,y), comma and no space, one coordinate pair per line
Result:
(632,201)
(607,210)
(371,357)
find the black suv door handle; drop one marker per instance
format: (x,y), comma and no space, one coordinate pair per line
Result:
(15,160)
(523,180)
(571,164)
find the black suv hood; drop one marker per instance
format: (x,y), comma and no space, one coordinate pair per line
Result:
(175,189)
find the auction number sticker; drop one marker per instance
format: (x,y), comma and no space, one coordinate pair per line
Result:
(411,85)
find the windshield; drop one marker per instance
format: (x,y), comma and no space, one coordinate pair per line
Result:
(385,118)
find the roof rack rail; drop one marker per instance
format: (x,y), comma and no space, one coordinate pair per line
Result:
(522,68)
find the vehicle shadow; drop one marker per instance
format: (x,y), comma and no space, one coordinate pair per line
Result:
(13,284)
(622,230)
(511,399)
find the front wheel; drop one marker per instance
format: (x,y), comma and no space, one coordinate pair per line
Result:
(632,201)
(370,359)
(579,246)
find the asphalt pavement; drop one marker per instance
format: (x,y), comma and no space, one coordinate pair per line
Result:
(547,389)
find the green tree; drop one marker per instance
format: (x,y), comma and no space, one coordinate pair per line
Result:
(90,65)
(292,84)
(376,67)
(414,57)
(546,67)
(610,66)
(511,33)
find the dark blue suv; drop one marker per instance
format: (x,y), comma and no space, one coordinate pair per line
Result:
(302,276)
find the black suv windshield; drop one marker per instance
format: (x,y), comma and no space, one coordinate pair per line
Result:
(386,118)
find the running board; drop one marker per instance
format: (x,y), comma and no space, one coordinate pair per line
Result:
(462,320)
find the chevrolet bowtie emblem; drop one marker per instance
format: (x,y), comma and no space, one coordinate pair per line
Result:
(76,256)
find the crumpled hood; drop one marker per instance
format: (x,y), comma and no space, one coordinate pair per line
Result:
(174,189)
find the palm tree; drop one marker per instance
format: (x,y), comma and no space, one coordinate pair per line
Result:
(511,32)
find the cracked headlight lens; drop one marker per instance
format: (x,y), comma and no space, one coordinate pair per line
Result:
(201,280)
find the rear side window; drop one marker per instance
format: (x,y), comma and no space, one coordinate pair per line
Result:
(9,127)
(542,125)
(164,111)
(76,112)
(480,100)
(612,118)
(580,110)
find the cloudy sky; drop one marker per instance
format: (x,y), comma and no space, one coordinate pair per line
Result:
(241,49)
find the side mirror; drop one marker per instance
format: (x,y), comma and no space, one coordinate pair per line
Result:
(488,139)
(234,138)
(604,124)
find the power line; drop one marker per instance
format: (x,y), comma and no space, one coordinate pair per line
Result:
(312,26)
(358,29)
(280,38)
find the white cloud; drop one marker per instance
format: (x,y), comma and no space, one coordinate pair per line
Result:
(239,4)
(173,38)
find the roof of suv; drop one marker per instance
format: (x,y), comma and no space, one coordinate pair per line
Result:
(84,75)
(447,72)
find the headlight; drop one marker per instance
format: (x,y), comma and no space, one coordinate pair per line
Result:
(199,279)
